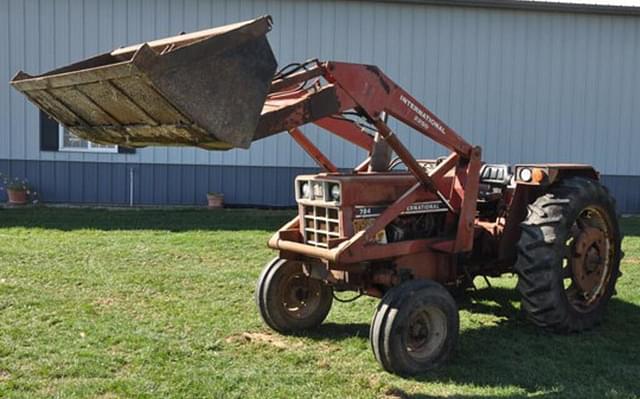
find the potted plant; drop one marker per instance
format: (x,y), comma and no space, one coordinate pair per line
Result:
(18,190)
(216,200)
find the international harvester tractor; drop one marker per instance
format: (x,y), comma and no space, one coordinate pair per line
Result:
(409,231)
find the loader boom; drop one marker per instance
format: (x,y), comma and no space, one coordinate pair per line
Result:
(322,92)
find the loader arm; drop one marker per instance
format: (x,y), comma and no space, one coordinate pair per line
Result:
(367,91)
(350,86)
(324,92)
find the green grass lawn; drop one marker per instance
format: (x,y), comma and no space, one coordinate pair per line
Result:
(155,303)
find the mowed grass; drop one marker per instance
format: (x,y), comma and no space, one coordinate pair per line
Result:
(159,303)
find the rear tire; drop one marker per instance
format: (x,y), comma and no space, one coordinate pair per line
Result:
(569,256)
(288,300)
(415,328)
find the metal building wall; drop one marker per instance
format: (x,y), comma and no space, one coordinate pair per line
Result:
(529,86)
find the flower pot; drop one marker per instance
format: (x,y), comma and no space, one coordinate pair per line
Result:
(215,200)
(17,197)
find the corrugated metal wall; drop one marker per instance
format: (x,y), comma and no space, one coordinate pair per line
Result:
(527,86)
(156,184)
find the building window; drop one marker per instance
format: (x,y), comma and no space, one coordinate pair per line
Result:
(71,142)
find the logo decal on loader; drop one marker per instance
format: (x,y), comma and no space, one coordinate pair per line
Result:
(422,117)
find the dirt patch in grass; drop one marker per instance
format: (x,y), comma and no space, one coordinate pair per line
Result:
(263,339)
(105,302)
(4,375)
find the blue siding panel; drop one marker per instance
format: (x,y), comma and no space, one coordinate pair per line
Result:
(62,182)
(201,184)
(76,182)
(256,186)
(48,182)
(215,179)
(270,186)
(4,169)
(284,190)
(229,180)
(105,182)
(101,183)
(160,187)
(175,185)
(145,184)
(188,184)
(120,184)
(18,169)
(626,190)
(243,180)
(90,181)
(32,174)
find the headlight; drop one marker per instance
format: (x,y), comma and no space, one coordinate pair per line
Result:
(525,174)
(335,192)
(305,190)
(318,191)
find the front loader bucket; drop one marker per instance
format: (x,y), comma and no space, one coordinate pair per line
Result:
(203,89)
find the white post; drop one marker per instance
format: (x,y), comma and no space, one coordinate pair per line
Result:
(131,187)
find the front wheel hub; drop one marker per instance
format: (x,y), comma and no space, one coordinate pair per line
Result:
(426,332)
(300,295)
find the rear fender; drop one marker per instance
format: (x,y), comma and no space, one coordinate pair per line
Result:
(547,174)
(527,192)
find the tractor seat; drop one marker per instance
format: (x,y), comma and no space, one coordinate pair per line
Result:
(495,174)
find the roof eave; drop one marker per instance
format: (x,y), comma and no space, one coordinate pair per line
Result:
(529,6)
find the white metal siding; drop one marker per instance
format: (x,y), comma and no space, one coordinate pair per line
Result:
(527,86)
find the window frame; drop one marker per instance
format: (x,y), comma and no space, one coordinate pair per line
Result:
(89,149)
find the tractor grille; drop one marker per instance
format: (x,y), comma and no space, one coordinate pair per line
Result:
(320,225)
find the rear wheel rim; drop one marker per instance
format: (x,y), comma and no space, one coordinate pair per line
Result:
(426,333)
(300,295)
(588,260)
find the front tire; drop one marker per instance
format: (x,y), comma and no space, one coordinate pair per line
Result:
(415,327)
(290,301)
(569,256)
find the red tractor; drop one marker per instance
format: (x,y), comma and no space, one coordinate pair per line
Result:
(405,230)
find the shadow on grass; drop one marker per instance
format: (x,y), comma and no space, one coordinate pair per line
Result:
(513,353)
(175,220)
(338,332)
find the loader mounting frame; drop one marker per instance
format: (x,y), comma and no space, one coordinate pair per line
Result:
(338,87)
